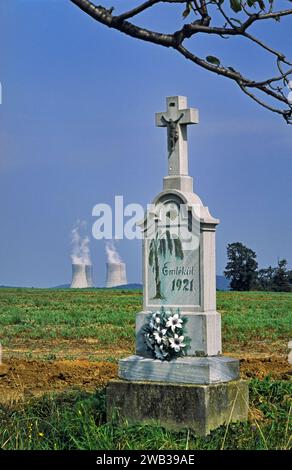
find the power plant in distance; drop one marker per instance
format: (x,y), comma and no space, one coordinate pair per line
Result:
(82,277)
(115,274)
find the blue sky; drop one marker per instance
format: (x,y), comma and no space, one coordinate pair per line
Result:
(77,128)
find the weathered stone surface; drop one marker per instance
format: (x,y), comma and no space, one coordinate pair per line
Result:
(182,278)
(195,269)
(200,408)
(190,370)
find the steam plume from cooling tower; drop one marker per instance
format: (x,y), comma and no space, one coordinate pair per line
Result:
(112,254)
(116,268)
(80,256)
(80,244)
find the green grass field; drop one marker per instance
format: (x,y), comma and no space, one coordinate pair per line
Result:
(76,420)
(109,317)
(34,322)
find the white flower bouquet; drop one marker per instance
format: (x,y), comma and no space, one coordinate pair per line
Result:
(164,334)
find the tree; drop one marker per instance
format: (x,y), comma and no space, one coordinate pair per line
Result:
(281,278)
(275,279)
(241,268)
(266,278)
(221,19)
(159,247)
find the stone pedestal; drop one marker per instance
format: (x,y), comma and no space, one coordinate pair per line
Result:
(200,408)
(187,370)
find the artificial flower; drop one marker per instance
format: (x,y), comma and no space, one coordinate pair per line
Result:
(159,336)
(160,353)
(174,322)
(177,342)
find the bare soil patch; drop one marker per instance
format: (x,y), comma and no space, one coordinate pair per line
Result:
(28,378)
(24,378)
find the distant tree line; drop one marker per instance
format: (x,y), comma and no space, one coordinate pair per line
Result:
(244,275)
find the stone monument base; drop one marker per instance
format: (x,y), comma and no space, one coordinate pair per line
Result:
(199,408)
(189,369)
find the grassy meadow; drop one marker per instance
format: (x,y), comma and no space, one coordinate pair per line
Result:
(38,325)
(29,316)
(77,420)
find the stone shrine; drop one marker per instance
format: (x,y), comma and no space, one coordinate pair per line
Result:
(201,390)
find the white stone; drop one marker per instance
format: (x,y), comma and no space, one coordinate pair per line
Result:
(188,370)
(199,260)
(177,111)
(187,282)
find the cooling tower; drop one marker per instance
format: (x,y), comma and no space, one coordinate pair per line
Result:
(81,276)
(89,275)
(115,274)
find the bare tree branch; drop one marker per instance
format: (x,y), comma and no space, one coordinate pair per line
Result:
(274,15)
(280,55)
(283,77)
(137,10)
(286,114)
(271,87)
(233,75)
(104,16)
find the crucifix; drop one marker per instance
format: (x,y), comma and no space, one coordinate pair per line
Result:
(177,117)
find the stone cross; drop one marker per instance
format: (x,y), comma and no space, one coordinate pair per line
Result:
(176,119)
(179,273)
